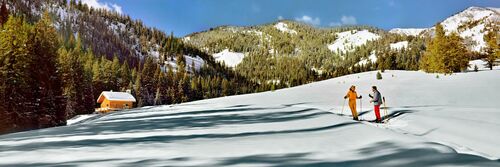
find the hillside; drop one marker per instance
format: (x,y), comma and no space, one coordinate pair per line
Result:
(471,24)
(314,53)
(446,121)
(336,51)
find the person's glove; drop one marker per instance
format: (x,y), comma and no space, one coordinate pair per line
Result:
(360,97)
(345,97)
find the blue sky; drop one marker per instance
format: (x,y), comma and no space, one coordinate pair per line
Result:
(187,16)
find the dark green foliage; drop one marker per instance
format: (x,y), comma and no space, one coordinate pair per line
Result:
(379,76)
(148,87)
(31,87)
(4,13)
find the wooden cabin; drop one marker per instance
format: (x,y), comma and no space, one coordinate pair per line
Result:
(111,101)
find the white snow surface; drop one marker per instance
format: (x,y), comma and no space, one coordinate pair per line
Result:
(346,41)
(198,63)
(408,31)
(399,45)
(80,118)
(452,120)
(231,59)
(372,58)
(283,27)
(481,65)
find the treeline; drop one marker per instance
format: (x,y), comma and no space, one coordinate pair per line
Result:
(31,94)
(48,76)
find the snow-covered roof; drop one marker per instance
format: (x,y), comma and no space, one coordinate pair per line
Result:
(115,96)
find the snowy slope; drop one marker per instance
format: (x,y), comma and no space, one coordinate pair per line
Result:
(408,31)
(399,45)
(197,61)
(283,27)
(372,58)
(231,59)
(445,121)
(348,40)
(471,24)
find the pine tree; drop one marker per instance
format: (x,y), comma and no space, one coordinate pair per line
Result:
(15,60)
(445,54)
(124,77)
(115,73)
(73,78)
(137,90)
(4,14)
(225,87)
(433,58)
(379,76)
(170,84)
(455,58)
(492,48)
(147,82)
(47,90)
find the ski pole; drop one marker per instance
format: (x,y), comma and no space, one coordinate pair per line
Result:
(342,112)
(385,109)
(360,106)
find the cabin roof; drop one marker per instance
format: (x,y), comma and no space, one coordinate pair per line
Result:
(115,96)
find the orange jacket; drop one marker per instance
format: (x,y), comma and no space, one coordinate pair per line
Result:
(352,95)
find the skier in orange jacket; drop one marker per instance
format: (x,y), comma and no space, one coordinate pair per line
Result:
(352,95)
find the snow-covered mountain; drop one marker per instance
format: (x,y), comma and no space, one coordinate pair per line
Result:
(348,40)
(408,31)
(399,45)
(471,24)
(447,121)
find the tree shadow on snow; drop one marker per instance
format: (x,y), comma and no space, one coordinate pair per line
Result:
(192,121)
(162,138)
(379,154)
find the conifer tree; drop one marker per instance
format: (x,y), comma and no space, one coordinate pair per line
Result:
(445,54)
(15,76)
(4,14)
(492,48)
(147,82)
(48,90)
(125,76)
